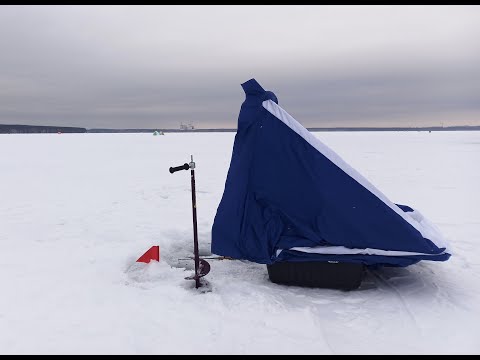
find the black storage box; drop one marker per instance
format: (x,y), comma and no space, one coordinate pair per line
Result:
(321,274)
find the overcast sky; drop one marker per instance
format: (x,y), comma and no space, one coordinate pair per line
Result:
(158,66)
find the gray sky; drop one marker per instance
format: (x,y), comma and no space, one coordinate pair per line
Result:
(157,66)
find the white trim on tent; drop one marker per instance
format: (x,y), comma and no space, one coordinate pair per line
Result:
(426,228)
(341,250)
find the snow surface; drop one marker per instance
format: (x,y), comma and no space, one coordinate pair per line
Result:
(77,210)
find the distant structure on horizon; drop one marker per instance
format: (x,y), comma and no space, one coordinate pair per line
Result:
(188,126)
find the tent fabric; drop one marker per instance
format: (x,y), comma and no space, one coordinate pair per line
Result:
(288,197)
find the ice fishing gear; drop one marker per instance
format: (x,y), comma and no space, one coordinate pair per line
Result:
(151,254)
(209,257)
(202,267)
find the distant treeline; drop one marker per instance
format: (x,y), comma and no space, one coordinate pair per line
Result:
(38,129)
(158,129)
(431,128)
(426,128)
(35,129)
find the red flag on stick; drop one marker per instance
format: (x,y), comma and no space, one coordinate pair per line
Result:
(152,254)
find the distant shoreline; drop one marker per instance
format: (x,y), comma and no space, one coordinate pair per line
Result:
(37,129)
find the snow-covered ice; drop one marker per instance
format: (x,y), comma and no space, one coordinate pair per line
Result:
(77,210)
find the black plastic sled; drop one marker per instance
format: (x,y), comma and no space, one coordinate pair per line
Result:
(317,274)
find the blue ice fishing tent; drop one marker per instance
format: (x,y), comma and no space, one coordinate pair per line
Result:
(290,198)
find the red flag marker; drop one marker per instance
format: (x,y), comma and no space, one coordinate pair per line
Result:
(152,254)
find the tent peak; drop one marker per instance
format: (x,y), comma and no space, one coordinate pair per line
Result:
(252,87)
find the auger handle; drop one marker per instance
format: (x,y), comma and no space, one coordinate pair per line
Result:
(178,168)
